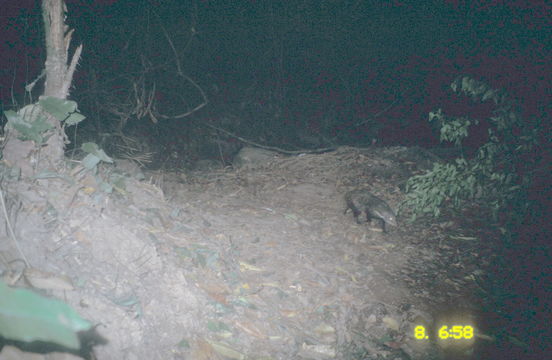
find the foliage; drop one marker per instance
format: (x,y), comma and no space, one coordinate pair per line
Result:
(66,111)
(94,155)
(31,121)
(496,176)
(25,316)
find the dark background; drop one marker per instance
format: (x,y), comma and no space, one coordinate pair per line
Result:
(296,73)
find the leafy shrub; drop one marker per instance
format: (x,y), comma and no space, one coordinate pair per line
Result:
(497,176)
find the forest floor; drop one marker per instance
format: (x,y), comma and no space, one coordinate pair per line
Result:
(264,264)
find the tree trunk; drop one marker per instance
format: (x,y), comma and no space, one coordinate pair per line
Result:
(58,38)
(29,156)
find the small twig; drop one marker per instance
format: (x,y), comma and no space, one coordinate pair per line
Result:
(273,148)
(181,73)
(203,95)
(378,114)
(11,229)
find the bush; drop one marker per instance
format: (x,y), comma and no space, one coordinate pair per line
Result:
(497,176)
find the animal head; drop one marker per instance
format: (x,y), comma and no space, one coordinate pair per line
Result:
(387,216)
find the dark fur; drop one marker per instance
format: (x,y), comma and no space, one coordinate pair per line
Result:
(362,201)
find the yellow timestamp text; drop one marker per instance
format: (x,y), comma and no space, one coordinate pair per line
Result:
(454,332)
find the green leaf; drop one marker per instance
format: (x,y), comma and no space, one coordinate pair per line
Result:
(94,149)
(75,118)
(26,316)
(11,115)
(90,161)
(29,122)
(61,109)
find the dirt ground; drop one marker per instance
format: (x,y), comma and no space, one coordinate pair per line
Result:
(257,263)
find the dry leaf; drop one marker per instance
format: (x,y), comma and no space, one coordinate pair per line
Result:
(227,351)
(47,281)
(391,323)
(250,329)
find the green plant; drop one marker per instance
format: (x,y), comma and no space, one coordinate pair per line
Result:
(31,121)
(497,176)
(26,316)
